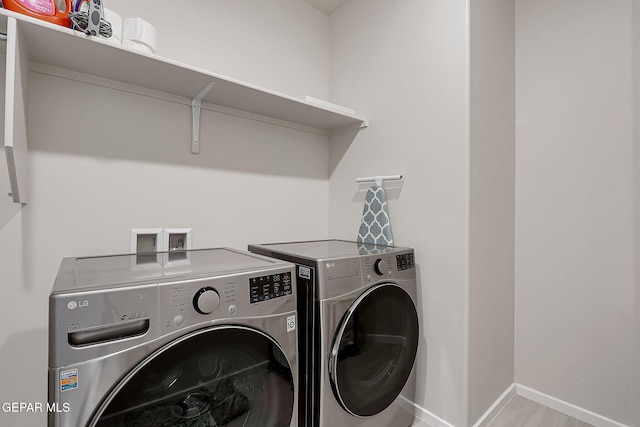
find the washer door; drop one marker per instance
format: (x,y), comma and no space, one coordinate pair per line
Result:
(374,349)
(222,376)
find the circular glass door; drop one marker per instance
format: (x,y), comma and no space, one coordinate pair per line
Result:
(218,377)
(374,350)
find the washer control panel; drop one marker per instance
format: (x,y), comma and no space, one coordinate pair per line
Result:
(194,301)
(264,288)
(191,302)
(206,300)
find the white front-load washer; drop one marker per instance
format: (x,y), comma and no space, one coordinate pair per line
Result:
(359,331)
(198,338)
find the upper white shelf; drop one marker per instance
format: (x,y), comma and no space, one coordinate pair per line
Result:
(68,49)
(32,41)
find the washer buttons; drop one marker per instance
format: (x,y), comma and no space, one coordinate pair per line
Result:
(206,300)
(368,277)
(178,320)
(233,309)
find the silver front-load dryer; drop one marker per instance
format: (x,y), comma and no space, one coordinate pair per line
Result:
(199,338)
(357,303)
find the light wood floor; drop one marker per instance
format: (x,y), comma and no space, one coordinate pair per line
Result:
(420,423)
(522,412)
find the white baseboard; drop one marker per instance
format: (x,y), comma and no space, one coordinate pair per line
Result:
(424,415)
(527,392)
(497,406)
(566,407)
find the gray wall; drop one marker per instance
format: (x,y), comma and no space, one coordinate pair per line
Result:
(435,79)
(281,45)
(403,66)
(492,215)
(574,238)
(635,389)
(138,172)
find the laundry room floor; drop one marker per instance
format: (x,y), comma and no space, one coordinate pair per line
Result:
(420,423)
(522,412)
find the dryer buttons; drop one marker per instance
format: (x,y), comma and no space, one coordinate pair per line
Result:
(380,267)
(206,300)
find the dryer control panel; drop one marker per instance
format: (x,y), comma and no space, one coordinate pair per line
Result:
(378,266)
(405,261)
(388,265)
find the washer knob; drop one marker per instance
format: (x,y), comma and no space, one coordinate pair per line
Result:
(380,266)
(206,300)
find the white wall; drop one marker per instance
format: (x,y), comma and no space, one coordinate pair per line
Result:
(574,254)
(88,189)
(492,181)
(403,66)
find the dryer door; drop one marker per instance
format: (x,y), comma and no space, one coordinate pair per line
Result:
(221,376)
(374,350)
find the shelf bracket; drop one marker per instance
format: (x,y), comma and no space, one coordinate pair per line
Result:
(196,103)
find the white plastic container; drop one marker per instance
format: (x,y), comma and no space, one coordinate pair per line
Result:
(139,34)
(117,23)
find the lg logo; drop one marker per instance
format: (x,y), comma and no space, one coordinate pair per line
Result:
(72,304)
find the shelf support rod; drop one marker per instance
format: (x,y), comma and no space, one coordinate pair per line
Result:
(196,103)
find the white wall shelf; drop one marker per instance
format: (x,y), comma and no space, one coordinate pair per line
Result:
(42,43)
